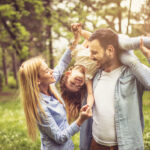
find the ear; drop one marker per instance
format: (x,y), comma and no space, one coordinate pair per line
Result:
(68,73)
(110,50)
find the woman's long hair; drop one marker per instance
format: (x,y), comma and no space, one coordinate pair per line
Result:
(30,94)
(73,100)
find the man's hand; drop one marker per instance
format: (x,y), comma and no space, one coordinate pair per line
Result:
(144,50)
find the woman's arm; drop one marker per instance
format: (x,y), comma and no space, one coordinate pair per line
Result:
(129,43)
(51,129)
(62,65)
(65,59)
(77,27)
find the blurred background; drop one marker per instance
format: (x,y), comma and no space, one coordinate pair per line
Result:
(42,27)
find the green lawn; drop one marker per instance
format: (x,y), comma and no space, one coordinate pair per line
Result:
(13,131)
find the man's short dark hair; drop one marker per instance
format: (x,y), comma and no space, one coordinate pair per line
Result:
(105,37)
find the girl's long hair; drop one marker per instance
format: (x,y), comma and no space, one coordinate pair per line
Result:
(30,94)
(73,100)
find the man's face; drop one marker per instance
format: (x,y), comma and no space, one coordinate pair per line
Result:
(98,53)
(76,79)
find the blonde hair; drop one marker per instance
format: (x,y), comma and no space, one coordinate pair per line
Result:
(30,94)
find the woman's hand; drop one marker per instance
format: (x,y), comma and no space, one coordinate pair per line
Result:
(85,113)
(144,50)
(75,27)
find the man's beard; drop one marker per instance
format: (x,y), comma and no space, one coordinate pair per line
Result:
(105,63)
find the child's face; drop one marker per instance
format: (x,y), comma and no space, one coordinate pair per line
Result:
(76,79)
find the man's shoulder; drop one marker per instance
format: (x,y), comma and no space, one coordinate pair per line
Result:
(126,71)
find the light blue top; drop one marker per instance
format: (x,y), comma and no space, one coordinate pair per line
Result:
(129,121)
(54,130)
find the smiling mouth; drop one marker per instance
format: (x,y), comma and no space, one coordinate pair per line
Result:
(79,80)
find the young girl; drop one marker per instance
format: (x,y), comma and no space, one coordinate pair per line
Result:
(72,83)
(42,107)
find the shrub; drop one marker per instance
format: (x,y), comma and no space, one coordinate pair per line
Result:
(11,82)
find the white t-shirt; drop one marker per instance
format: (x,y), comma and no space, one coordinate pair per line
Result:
(103,128)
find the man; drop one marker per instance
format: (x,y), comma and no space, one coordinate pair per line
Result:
(117,112)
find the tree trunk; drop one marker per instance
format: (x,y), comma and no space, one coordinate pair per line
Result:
(49,33)
(129,17)
(4,66)
(14,67)
(51,59)
(119,17)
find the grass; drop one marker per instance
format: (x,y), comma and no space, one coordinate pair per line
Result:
(13,131)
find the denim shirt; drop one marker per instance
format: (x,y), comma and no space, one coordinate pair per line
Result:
(54,129)
(129,120)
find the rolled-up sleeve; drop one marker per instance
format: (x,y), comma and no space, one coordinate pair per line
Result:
(52,130)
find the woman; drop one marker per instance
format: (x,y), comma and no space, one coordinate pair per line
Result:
(42,107)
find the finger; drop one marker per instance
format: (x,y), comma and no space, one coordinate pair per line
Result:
(84,108)
(88,110)
(141,44)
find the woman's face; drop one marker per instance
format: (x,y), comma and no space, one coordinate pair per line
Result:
(76,79)
(46,75)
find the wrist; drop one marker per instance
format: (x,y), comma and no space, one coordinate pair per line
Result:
(79,121)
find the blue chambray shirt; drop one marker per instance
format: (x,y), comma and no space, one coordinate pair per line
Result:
(55,131)
(129,119)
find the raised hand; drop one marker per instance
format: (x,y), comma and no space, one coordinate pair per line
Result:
(144,50)
(76,27)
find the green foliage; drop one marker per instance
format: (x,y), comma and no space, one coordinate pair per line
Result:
(24,52)
(146,109)
(11,82)
(22,33)
(141,57)
(13,133)
(7,10)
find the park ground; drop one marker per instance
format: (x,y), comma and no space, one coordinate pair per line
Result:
(13,131)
